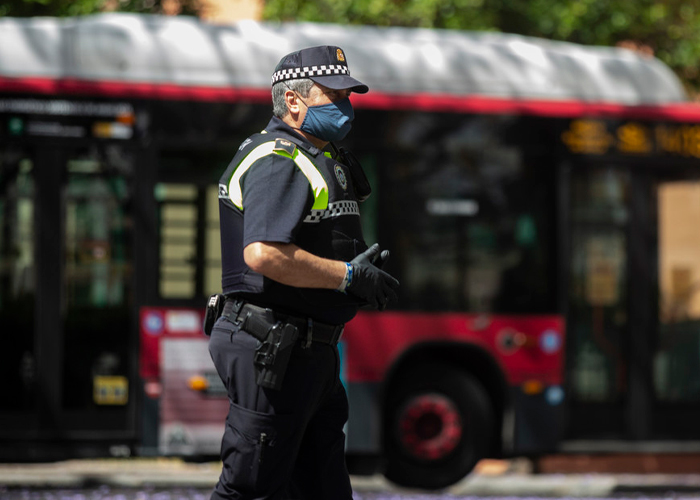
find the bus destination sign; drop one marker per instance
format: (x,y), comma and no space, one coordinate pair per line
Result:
(599,137)
(68,119)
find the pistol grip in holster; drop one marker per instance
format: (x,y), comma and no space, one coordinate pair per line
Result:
(272,356)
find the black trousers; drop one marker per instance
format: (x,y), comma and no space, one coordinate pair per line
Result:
(286,444)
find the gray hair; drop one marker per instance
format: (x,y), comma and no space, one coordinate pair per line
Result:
(301,86)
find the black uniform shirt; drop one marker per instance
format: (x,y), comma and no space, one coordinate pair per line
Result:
(277,198)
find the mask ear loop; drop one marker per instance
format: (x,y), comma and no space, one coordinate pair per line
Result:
(296,94)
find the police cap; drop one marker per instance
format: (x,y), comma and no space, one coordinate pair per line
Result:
(325,64)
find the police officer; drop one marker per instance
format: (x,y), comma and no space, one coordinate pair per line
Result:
(295,270)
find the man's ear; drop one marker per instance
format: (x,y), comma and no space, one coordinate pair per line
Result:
(292,100)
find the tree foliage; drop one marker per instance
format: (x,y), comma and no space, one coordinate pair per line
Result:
(26,8)
(670,29)
(61,8)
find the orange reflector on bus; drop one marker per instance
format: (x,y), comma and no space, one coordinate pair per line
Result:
(126,118)
(112,130)
(532,387)
(198,383)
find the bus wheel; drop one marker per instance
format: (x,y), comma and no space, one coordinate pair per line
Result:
(439,423)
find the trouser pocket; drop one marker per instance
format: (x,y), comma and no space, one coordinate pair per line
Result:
(251,451)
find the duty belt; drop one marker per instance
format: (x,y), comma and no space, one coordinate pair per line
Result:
(258,321)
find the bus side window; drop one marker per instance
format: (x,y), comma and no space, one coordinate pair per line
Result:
(189,250)
(17,282)
(212,243)
(177,207)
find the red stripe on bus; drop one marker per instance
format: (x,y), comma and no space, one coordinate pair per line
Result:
(373,100)
(524,347)
(540,107)
(139,90)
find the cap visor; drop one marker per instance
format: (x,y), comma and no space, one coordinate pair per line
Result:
(337,82)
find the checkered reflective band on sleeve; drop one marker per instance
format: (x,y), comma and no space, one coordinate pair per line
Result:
(335,209)
(309,71)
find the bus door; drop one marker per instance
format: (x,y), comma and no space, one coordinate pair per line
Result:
(674,350)
(633,312)
(66,293)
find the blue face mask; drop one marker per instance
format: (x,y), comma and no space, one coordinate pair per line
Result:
(329,122)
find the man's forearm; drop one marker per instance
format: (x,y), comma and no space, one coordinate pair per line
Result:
(290,265)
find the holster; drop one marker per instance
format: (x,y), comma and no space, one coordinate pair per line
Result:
(272,356)
(276,339)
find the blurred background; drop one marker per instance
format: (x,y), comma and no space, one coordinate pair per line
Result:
(536,176)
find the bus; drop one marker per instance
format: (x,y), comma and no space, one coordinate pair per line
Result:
(540,199)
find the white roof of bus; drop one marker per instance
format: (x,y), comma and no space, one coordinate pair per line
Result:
(186,51)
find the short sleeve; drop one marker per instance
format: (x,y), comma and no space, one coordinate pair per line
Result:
(277,197)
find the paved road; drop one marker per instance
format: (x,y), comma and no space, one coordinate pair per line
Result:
(172,479)
(110,493)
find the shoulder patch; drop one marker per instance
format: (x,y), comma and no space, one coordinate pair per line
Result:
(285,145)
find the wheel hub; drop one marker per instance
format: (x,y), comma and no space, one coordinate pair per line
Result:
(430,426)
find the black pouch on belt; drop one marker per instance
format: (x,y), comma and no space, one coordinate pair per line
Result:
(272,356)
(215,306)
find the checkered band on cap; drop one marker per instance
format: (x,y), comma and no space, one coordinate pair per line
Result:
(309,71)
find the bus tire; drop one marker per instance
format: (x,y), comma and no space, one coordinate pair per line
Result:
(439,423)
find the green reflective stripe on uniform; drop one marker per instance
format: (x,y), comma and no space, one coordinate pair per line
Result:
(318,183)
(234,185)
